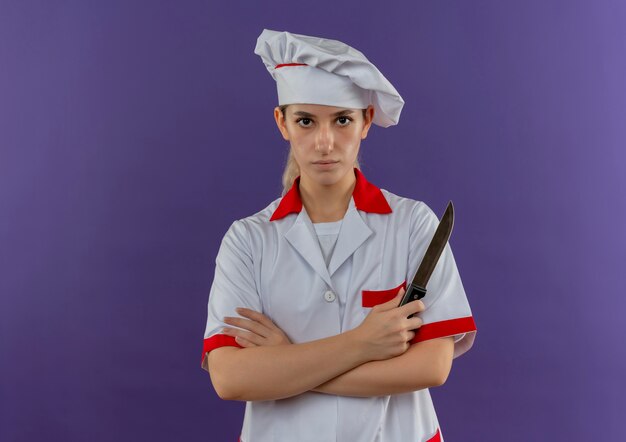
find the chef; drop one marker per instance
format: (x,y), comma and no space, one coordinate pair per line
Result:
(303,320)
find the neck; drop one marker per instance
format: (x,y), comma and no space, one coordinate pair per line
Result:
(326,203)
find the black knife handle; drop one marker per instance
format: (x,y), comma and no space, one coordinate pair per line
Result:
(413,293)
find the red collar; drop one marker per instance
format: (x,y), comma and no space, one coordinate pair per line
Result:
(367,197)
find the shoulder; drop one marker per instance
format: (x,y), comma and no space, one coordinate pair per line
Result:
(260,219)
(408,208)
(246,228)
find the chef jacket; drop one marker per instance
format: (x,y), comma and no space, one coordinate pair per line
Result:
(271,262)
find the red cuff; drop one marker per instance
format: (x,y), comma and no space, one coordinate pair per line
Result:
(444,328)
(217,341)
(436,437)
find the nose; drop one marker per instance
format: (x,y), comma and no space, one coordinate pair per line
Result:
(324,140)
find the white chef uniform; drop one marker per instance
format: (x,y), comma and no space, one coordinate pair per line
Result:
(272,262)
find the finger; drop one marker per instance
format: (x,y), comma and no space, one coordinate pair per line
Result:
(247,324)
(248,336)
(256,316)
(393,303)
(412,307)
(414,323)
(245,343)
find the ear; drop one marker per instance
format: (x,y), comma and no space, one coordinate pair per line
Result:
(280,122)
(369,117)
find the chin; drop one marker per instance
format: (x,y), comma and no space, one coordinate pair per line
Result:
(329,177)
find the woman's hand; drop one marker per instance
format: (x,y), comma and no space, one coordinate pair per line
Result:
(259,329)
(387,330)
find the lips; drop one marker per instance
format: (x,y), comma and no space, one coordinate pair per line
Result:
(325,162)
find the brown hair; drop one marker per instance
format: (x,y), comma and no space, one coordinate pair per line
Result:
(292,170)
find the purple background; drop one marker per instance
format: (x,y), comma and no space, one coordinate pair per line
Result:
(132,133)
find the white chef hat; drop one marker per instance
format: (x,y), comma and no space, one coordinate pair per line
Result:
(316,70)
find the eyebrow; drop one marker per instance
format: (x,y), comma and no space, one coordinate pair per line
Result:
(336,114)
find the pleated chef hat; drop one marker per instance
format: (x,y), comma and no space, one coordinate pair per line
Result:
(314,70)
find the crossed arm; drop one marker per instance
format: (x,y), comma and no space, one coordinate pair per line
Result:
(274,368)
(425,364)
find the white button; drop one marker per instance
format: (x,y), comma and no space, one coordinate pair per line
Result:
(329,296)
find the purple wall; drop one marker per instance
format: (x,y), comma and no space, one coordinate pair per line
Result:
(130,132)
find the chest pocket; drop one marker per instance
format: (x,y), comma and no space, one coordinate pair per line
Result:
(370,298)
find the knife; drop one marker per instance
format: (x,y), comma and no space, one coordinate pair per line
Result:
(417,289)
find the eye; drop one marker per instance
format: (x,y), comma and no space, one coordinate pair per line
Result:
(308,120)
(345,118)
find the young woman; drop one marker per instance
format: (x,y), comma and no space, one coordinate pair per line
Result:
(303,320)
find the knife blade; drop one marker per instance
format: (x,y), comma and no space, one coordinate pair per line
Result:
(417,289)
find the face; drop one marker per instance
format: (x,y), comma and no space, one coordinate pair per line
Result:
(325,139)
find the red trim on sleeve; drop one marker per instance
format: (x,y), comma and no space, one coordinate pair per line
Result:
(444,328)
(436,437)
(370,298)
(217,341)
(289,64)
